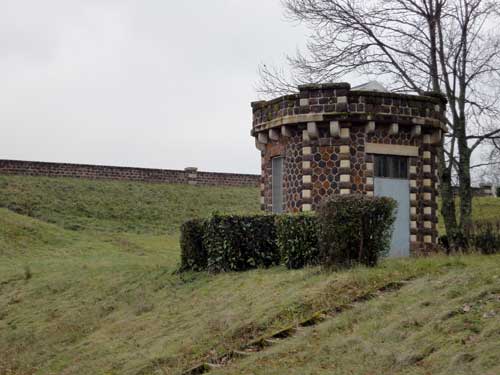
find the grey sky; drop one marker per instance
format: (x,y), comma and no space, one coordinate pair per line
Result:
(149,83)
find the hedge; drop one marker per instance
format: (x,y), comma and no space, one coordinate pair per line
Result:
(485,237)
(238,243)
(193,253)
(354,229)
(297,239)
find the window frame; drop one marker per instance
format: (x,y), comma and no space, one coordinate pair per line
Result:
(391,166)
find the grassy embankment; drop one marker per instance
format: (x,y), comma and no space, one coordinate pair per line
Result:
(87,287)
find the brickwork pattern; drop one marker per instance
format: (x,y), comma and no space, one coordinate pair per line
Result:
(315,169)
(187,176)
(323,132)
(339,98)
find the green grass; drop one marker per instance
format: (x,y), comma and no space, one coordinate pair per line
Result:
(119,206)
(484,209)
(444,323)
(88,286)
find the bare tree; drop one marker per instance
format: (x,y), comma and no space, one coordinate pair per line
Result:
(445,46)
(488,170)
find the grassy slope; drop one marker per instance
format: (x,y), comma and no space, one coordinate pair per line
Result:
(108,302)
(445,324)
(485,209)
(119,206)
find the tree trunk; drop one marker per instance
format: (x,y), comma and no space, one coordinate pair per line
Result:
(447,198)
(464,180)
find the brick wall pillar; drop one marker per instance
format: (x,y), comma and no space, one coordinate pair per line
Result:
(192,175)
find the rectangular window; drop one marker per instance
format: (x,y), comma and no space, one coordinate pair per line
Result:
(391,166)
(277,184)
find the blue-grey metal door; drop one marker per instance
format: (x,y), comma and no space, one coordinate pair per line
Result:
(399,190)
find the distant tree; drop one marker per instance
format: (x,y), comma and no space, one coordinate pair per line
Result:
(447,46)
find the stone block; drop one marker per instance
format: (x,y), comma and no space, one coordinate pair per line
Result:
(345,164)
(345,178)
(344,149)
(334,129)
(304,102)
(345,133)
(262,138)
(274,135)
(312,130)
(394,129)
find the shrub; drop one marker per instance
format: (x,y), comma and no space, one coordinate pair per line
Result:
(354,229)
(444,242)
(193,253)
(485,237)
(238,243)
(297,239)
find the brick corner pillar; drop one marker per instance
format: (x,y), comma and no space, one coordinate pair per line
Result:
(192,175)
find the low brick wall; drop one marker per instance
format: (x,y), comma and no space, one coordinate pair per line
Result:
(171,176)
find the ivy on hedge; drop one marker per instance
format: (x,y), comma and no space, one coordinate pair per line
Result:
(238,243)
(297,239)
(354,229)
(346,230)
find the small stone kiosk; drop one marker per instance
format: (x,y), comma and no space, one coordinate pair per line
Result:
(331,139)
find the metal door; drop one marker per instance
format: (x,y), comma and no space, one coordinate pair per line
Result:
(277,184)
(399,190)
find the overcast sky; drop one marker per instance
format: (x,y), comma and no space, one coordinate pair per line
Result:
(148,83)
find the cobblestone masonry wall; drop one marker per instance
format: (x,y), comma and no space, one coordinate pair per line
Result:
(323,132)
(188,176)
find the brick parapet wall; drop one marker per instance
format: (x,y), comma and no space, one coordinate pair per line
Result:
(102,172)
(337,100)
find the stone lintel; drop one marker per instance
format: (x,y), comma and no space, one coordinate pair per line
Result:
(399,150)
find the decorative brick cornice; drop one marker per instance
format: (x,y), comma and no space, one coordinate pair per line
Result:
(337,102)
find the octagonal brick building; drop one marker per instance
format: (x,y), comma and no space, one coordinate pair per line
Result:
(331,139)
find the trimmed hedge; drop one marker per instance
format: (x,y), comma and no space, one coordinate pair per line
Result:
(193,253)
(354,229)
(297,239)
(238,243)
